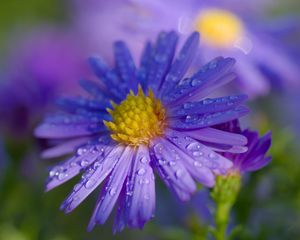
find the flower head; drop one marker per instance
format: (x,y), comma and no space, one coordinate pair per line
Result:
(141,120)
(231,28)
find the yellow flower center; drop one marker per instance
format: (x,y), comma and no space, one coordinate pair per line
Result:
(137,119)
(219,28)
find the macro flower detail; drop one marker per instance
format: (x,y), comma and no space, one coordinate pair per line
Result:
(142,120)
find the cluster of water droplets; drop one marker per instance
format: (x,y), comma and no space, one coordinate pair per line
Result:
(201,155)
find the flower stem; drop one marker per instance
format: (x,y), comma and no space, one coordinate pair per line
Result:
(224,195)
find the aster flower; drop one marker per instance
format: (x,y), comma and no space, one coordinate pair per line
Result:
(42,64)
(141,120)
(228,28)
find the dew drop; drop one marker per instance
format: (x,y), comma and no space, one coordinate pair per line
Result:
(90,183)
(178,173)
(143,160)
(62,176)
(198,164)
(172,163)
(212,155)
(84,163)
(81,151)
(112,191)
(141,171)
(76,187)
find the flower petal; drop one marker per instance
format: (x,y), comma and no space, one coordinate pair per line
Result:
(141,193)
(112,188)
(92,178)
(86,155)
(202,155)
(181,64)
(171,170)
(210,77)
(197,121)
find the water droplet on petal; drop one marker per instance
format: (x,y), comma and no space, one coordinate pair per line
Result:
(62,176)
(90,183)
(143,160)
(141,171)
(76,187)
(212,155)
(81,151)
(178,173)
(84,163)
(198,164)
(112,191)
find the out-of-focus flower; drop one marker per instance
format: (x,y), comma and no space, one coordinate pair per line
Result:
(43,64)
(143,119)
(228,28)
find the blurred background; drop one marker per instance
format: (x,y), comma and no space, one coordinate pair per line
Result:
(44,46)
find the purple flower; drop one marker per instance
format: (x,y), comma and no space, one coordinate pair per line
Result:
(228,28)
(43,64)
(141,120)
(255,158)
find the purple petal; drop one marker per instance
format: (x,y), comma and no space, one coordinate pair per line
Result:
(64,148)
(208,105)
(171,170)
(181,64)
(112,188)
(93,177)
(86,156)
(144,66)
(197,169)
(125,65)
(192,122)
(202,155)
(211,76)
(141,190)
(161,59)
(109,77)
(213,135)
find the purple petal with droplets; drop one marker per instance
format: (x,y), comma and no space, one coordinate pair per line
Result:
(208,105)
(73,105)
(210,77)
(174,175)
(191,122)
(162,57)
(85,157)
(125,65)
(141,193)
(109,77)
(196,168)
(92,178)
(112,189)
(144,66)
(199,152)
(181,64)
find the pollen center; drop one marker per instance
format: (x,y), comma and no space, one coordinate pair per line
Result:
(137,119)
(219,28)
